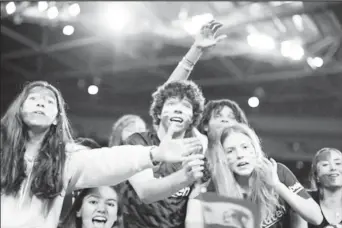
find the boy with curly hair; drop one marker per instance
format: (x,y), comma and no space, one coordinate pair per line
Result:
(158,197)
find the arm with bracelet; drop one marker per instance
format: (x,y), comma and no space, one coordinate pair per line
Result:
(204,40)
(151,189)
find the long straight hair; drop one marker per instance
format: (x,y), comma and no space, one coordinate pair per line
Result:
(47,172)
(261,192)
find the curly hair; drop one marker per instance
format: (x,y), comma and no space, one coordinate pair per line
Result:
(181,89)
(216,106)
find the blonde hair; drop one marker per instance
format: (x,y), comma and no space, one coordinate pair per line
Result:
(262,192)
(115,138)
(313,173)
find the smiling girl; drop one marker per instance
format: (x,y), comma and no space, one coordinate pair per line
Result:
(93,208)
(326,182)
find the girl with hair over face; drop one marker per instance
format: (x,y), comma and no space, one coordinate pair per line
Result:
(124,127)
(94,208)
(240,169)
(40,163)
(326,184)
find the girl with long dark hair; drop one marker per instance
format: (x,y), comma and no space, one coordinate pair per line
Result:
(40,162)
(94,207)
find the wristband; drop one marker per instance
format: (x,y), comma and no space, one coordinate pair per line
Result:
(186,67)
(154,163)
(188,62)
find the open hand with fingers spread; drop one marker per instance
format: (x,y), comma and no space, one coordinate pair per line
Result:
(176,150)
(206,38)
(270,171)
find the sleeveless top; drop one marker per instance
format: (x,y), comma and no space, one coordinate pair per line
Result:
(325,223)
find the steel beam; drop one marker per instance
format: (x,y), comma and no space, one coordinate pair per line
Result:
(125,66)
(230,66)
(273,76)
(33,45)
(20,38)
(52,48)
(267,77)
(17,69)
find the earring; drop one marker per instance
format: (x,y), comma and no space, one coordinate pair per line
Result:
(78,214)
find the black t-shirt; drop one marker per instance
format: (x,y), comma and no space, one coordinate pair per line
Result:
(325,223)
(166,213)
(281,217)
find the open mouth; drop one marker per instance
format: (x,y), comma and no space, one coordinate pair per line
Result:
(334,175)
(99,220)
(242,164)
(176,119)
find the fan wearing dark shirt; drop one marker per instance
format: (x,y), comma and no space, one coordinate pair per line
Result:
(158,197)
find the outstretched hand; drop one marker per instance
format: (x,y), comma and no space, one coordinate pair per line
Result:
(270,169)
(177,150)
(206,38)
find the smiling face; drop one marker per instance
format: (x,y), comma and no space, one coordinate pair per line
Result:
(329,169)
(40,108)
(99,208)
(240,153)
(178,112)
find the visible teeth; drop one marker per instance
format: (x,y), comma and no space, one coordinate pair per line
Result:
(99,220)
(176,119)
(242,164)
(102,221)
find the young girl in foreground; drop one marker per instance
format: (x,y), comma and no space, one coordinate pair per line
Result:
(40,162)
(94,208)
(240,169)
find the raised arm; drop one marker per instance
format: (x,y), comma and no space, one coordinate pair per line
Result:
(204,40)
(293,192)
(306,207)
